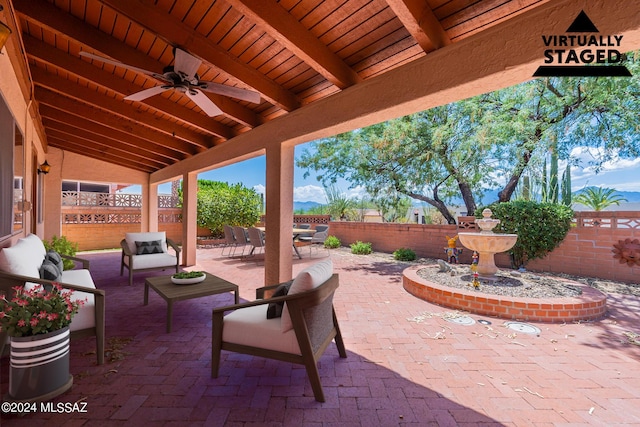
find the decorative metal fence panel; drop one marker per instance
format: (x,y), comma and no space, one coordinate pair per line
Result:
(608,219)
(113,208)
(119,200)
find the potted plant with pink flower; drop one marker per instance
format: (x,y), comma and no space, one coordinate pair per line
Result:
(37,322)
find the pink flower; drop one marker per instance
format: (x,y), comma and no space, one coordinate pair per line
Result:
(42,314)
(3,314)
(52,316)
(34,321)
(21,323)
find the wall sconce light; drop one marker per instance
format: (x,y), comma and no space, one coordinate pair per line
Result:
(44,168)
(5,32)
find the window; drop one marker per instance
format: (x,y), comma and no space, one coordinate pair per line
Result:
(11,173)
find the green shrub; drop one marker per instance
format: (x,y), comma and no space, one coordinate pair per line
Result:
(64,247)
(540,227)
(220,203)
(361,248)
(332,242)
(404,254)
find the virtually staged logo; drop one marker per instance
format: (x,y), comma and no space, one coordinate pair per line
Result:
(588,54)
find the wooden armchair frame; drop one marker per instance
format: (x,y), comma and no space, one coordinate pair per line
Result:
(126,252)
(314,322)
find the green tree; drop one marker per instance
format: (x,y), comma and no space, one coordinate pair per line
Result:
(424,156)
(339,206)
(220,203)
(598,198)
(458,149)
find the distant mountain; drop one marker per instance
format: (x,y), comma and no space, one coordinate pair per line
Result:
(491,196)
(304,206)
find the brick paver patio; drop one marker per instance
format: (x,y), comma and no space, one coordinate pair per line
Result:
(406,365)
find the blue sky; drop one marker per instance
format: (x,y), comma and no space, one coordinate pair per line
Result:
(251,173)
(621,174)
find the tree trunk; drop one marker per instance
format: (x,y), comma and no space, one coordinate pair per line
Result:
(467,197)
(435,202)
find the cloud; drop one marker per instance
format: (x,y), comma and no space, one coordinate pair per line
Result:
(357,192)
(309,193)
(586,155)
(260,189)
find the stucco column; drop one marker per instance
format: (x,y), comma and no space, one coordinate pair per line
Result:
(189,218)
(279,214)
(52,194)
(149,208)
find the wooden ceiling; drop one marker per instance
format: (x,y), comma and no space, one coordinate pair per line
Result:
(293,52)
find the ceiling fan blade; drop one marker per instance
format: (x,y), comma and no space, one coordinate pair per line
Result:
(231,91)
(186,64)
(147,93)
(119,64)
(204,102)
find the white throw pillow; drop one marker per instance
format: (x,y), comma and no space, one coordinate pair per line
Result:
(309,278)
(24,258)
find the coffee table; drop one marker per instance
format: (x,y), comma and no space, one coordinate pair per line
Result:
(171,292)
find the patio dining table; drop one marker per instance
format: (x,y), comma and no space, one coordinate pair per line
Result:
(297,232)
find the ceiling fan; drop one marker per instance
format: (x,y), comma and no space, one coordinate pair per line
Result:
(183,77)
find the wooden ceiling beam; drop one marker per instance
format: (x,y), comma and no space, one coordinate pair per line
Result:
(65,132)
(64,143)
(114,106)
(77,108)
(45,53)
(140,146)
(418,18)
(178,34)
(60,23)
(283,27)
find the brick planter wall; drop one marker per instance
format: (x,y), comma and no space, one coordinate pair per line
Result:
(591,305)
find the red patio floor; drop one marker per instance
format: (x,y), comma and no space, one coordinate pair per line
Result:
(406,364)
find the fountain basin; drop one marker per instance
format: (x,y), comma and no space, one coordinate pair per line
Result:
(590,305)
(487,244)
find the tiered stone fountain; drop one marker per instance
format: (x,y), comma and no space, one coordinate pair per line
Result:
(590,305)
(487,244)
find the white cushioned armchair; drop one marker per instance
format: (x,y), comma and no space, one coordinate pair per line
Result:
(20,265)
(307,325)
(148,251)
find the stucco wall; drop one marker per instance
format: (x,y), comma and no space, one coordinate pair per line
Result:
(71,166)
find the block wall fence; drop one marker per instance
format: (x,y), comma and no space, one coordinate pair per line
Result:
(586,251)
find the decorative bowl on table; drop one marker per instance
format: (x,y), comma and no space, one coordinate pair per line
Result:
(188,277)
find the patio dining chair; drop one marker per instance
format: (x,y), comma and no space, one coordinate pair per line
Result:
(317,240)
(305,328)
(241,239)
(256,239)
(229,239)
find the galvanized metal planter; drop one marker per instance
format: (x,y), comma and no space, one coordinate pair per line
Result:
(39,366)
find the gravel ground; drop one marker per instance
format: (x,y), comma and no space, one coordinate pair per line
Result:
(511,282)
(507,283)
(523,284)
